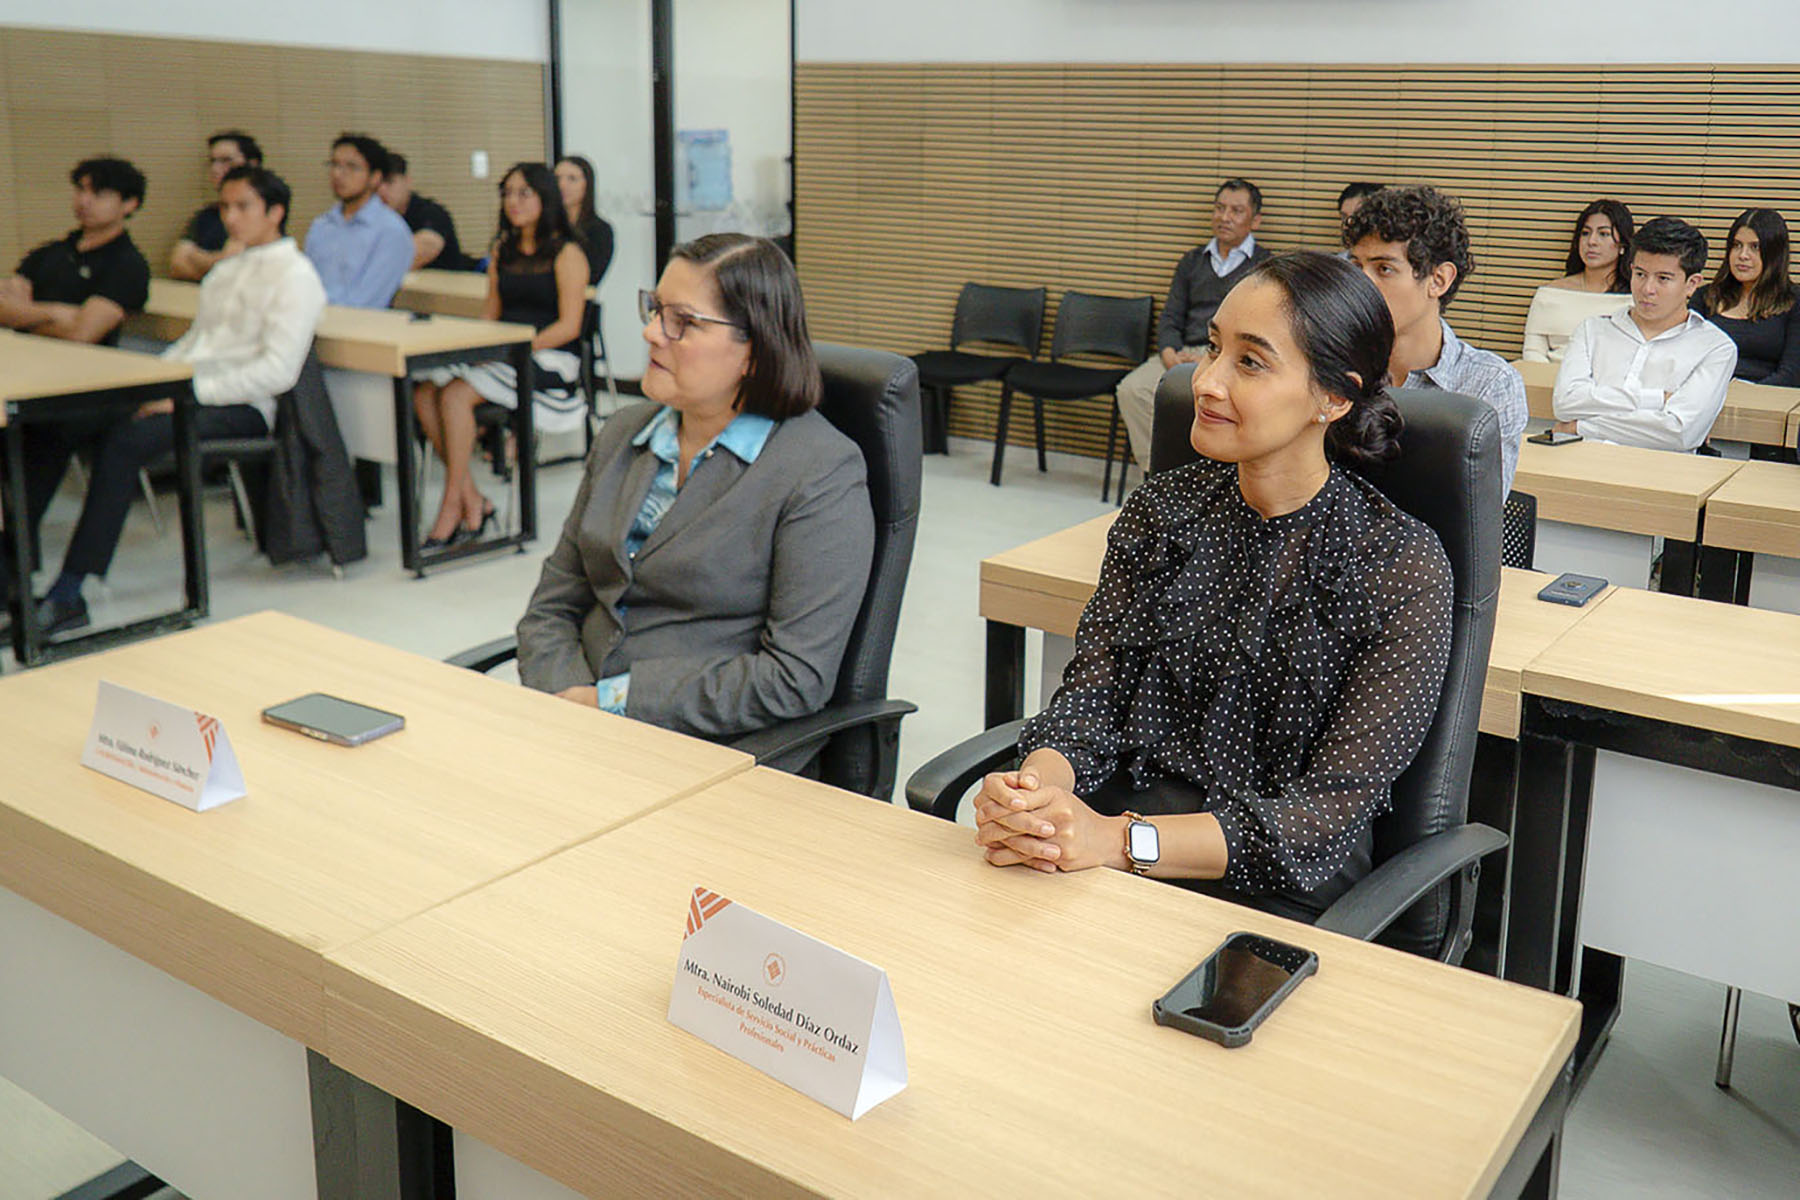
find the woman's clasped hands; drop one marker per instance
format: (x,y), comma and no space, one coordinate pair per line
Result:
(1021,819)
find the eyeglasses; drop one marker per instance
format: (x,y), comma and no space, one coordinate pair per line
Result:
(675,321)
(345,167)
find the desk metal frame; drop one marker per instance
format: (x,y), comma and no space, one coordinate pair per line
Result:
(412,557)
(1555,787)
(29,643)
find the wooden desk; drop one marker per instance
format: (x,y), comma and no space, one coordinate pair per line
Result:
(1757,511)
(1524,628)
(1752,413)
(449,293)
(1624,490)
(395,344)
(46,379)
(530,1014)
(240,904)
(1046,583)
(1657,817)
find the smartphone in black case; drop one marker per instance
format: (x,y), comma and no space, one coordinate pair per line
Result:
(1235,989)
(1574,590)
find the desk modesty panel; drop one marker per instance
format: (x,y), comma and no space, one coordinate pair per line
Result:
(530,1015)
(331,843)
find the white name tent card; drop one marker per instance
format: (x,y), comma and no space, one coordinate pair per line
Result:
(817,1019)
(167,750)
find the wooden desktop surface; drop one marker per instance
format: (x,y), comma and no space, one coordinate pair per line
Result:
(376,340)
(33,367)
(1624,488)
(331,843)
(452,293)
(1045,584)
(1711,666)
(531,1015)
(1752,412)
(1524,628)
(1757,509)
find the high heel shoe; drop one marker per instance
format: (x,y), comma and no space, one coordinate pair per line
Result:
(464,535)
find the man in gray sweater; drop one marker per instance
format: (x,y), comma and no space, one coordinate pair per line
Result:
(1202,278)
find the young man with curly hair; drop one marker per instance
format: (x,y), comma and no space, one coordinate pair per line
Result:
(1413,244)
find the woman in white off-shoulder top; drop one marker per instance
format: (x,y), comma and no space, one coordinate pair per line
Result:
(1598,281)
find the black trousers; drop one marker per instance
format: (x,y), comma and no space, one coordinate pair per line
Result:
(125,449)
(49,445)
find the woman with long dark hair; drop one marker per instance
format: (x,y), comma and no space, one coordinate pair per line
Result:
(714,560)
(537,276)
(1753,300)
(1267,645)
(1598,281)
(575,181)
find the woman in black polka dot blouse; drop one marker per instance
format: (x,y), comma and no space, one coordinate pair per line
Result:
(1267,645)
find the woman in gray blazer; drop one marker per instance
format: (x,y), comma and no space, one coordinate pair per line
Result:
(718,548)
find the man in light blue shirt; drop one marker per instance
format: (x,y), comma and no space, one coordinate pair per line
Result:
(362,249)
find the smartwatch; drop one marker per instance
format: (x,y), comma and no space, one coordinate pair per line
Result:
(1142,846)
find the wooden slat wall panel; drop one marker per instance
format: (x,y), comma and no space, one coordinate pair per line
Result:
(64,96)
(911,179)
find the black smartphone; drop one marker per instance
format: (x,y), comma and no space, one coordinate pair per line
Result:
(1574,590)
(1554,437)
(331,719)
(1238,985)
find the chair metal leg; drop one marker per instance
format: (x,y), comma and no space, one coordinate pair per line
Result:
(1000,433)
(150,502)
(1037,416)
(240,496)
(1112,435)
(1728,1039)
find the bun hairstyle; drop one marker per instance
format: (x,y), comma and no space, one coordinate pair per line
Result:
(1343,326)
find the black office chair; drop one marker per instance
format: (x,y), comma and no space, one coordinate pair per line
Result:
(1420,896)
(873,399)
(1118,326)
(1003,316)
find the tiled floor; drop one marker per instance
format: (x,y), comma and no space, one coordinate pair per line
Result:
(1649,1124)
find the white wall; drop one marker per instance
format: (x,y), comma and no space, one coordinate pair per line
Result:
(515,29)
(731,72)
(606,118)
(1358,31)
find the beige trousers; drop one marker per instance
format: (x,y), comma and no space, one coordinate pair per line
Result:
(1137,406)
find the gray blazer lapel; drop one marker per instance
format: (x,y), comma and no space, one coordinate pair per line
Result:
(710,480)
(640,473)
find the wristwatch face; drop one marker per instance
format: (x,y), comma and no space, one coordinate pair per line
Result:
(1141,844)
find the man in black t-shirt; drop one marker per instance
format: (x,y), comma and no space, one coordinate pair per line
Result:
(81,286)
(434,233)
(204,243)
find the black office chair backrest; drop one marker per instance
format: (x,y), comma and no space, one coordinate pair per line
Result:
(1115,325)
(1009,316)
(1518,531)
(1448,476)
(872,397)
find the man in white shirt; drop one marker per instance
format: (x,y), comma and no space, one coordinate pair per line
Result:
(249,340)
(1654,375)
(1202,278)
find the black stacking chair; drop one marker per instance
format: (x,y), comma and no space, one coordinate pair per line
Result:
(1420,896)
(1518,531)
(853,743)
(1117,326)
(1004,316)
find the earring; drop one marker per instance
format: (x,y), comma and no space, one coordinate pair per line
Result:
(1322,418)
